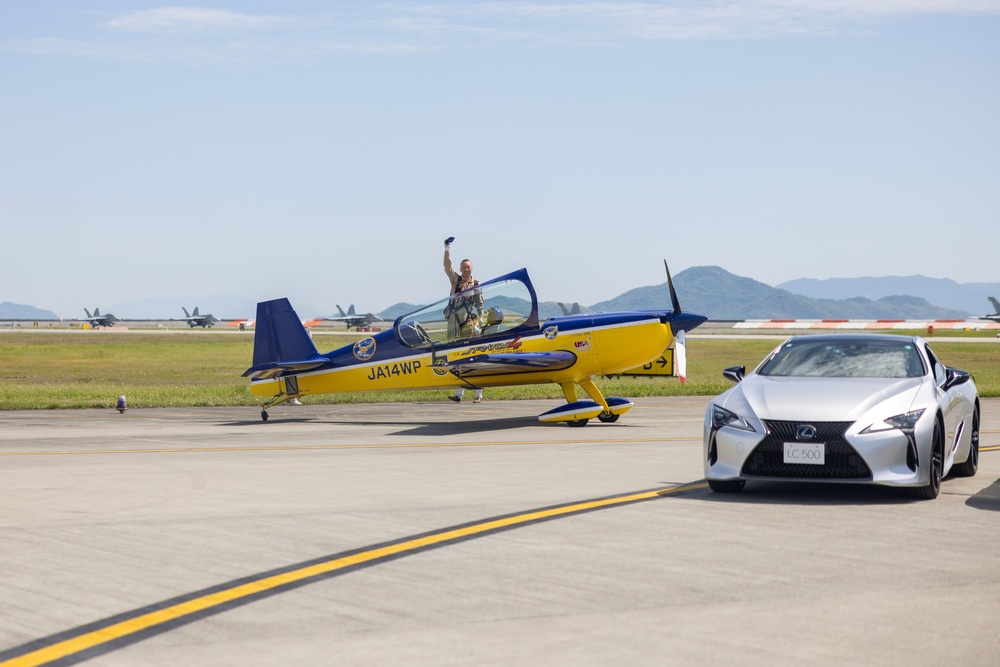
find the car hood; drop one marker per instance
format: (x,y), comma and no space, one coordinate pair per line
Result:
(824,399)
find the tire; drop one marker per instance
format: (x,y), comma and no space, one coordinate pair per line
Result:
(969,467)
(608,417)
(578,422)
(727,486)
(936,463)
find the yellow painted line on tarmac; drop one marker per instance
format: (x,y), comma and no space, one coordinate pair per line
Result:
(121,630)
(290,448)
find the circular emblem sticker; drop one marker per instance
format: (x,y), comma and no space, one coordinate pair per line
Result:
(551,332)
(364,349)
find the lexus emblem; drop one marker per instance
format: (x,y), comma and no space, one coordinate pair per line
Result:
(805,432)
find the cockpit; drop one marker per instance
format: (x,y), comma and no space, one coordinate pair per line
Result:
(503,306)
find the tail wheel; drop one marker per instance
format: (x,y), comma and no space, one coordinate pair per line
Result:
(936,465)
(263,415)
(971,464)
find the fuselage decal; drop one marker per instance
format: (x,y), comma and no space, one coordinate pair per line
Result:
(394,370)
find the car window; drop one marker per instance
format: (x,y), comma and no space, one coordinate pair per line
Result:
(939,370)
(844,358)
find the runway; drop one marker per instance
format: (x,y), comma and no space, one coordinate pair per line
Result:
(436,534)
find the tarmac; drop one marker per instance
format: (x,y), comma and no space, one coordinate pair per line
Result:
(442,534)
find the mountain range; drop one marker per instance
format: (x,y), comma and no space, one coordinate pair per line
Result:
(707,290)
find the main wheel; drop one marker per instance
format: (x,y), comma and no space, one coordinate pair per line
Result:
(608,417)
(936,463)
(578,422)
(969,467)
(263,415)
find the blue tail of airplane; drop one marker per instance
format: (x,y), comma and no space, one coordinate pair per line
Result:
(281,342)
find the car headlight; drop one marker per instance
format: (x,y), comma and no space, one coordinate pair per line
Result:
(722,417)
(905,422)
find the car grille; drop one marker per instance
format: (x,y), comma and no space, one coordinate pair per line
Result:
(842,460)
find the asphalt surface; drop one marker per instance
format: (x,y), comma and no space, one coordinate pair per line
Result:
(442,534)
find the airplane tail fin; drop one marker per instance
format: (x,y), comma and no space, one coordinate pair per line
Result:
(88,313)
(195,312)
(186,314)
(996,305)
(97,312)
(281,344)
(341,311)
(350,311)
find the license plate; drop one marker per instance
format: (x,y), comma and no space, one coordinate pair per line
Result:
(809,453)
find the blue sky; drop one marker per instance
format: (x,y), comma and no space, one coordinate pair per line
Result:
(322,151)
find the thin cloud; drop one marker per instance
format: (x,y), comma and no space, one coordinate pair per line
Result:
(180,33)
(174,19)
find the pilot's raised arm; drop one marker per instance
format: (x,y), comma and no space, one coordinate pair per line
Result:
(449,269)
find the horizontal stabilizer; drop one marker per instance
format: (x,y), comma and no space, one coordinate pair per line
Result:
(509,363)
(281,343)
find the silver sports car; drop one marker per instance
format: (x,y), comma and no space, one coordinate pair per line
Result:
(858,408)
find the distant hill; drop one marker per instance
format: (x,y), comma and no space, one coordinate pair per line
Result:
(707,290)
(967,298)
(720,295)
(17,311)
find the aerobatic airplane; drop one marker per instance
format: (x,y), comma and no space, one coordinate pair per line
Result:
(499,341)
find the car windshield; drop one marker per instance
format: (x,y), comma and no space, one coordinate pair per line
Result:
(844,358)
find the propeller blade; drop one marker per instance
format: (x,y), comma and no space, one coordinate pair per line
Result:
(673,293)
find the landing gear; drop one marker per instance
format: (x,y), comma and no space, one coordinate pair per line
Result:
(608,417)
(577,422)
(263,415)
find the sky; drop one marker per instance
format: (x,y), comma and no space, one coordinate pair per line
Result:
(323,151)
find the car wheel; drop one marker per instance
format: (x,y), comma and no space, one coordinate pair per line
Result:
(727,486)
(971,464)
(936,463)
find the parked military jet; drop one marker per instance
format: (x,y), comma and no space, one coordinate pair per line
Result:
(196,320)
(352,319)
(574,310)
(447,345)
(995,316)
(99,320)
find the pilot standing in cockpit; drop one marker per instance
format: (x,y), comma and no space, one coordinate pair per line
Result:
(466,304)
(465,307)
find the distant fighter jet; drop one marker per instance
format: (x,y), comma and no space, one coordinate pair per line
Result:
(575,310)
(196,320)
(995,316)
(99,320)
(353,319)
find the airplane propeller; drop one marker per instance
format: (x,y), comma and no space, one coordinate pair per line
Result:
(673,293)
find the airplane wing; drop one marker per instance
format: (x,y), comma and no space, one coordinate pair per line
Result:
(511,363)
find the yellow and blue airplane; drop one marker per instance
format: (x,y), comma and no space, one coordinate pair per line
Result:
(489,336)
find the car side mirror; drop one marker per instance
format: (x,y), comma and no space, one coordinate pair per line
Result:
(735,373)
(954,378)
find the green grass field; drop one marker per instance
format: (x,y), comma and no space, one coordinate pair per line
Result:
(90,370)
